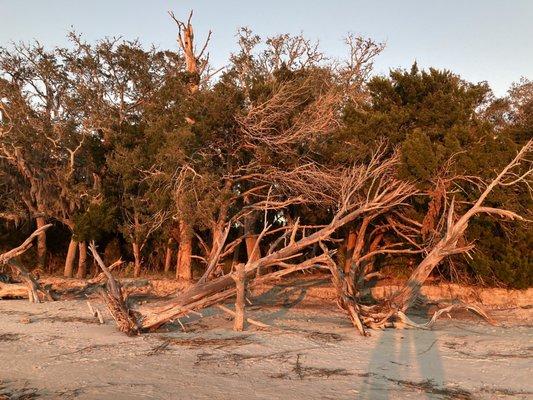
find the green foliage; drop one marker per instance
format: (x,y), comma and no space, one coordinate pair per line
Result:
(116,144)
(97,221)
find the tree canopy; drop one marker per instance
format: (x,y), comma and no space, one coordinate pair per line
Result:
(158,151)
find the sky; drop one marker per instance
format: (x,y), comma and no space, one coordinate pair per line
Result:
(481,40)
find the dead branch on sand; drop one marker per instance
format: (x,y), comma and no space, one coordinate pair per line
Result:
(35,291)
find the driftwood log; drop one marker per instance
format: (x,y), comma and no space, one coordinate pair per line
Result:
(386,194)
(35,292)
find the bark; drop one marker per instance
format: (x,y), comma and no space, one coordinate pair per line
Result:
(240,284)
(41,244)
(32,285)
(183,263)
(250,244)
(455,230)
(13,291)
(137,259)
(168,256)
(192,58)
(251,239)
(82,260)
(71,256)
(115,300)
(350,244)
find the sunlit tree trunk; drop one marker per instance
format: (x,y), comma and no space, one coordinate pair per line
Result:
(240,285)
(350,244)
(183,263)
(71,256)
(168,256)
(250,238)
(82,260)
(137,259)
(41,244)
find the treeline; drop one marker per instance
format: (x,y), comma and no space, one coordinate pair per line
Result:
(181,167)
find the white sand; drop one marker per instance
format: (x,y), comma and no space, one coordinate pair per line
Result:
(317,355)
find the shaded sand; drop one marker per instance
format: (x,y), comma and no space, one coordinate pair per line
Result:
(57,350)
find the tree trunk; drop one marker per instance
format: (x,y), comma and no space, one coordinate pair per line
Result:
(71,256)
(168,256)
(350,244)
(137,259)
(240,283)
(183,263)
(250,244)
(250,238)
(41,244)
(82,260)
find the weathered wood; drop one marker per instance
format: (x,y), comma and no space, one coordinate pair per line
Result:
(69,261)
(455,230)
(137,259)
(34,290)
(115,301)
(41,244)
(13,291)
(183,262)
(168,255)
(249,320)
(240,285)
(82,260)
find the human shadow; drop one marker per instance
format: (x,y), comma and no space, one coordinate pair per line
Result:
(405,360)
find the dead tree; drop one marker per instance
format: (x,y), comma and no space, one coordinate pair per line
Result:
(364,190)
(35,291)
(115,299)
(240,283)
(392,311)
(456,228)
(196,64)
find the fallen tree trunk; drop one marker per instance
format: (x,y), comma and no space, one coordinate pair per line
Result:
(115,300)
(36,293)
(13,291)
(385,194)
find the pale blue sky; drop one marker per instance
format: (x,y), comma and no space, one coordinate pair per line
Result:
(488,40)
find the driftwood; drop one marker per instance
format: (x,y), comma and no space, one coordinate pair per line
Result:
(13,291)
(363,190)
(455,230)
(392,311)
(249,320)
(115,299)
(36,293)
(385,195)
(240,284)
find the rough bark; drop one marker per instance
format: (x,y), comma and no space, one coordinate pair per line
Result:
(34,289)
(82,260)
(183,263)
(71,256)
(240,284)
(137,259)
(168,256)
(251,238)
(115,299)
(41,244)
(193,60)
(350,243)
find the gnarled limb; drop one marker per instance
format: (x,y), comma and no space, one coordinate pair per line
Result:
(35,292)
(115,300)
(449,244)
